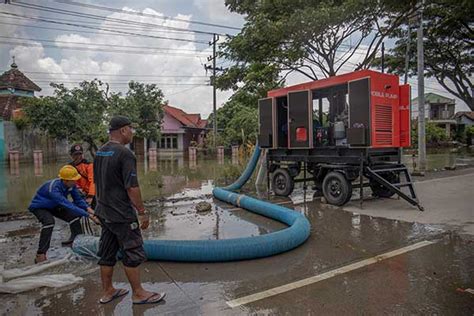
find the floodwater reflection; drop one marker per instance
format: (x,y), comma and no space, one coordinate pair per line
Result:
(160,178)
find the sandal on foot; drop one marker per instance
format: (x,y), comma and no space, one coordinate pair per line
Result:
(152,299)
(118,293)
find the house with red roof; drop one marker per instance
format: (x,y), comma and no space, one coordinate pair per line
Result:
(13,85)
(180,129)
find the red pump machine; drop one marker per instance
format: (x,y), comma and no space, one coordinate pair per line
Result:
(339,129)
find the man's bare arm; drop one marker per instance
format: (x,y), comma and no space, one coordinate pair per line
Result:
(135,196)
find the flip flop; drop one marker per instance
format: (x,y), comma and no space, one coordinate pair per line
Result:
(150,300)
(118,293)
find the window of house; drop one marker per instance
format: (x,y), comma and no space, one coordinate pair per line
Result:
(169,141)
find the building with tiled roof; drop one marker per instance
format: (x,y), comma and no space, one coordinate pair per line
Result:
(179,129)
(465,118)
(13,85)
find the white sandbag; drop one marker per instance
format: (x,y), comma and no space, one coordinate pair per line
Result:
(33,269)
(29,283)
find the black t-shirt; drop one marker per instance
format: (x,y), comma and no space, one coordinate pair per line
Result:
(115,170)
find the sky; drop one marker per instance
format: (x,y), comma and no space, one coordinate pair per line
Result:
(172,59)
(54,50)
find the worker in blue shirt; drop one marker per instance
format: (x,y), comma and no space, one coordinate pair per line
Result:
(51,200)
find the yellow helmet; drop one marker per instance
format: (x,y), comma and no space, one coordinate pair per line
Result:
(68,172)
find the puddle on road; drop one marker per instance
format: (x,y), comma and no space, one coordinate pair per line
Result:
(178,219)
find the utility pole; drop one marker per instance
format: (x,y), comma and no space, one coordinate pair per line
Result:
(407,52)
(421,96)
(407,63)
(214,101)
(383,57)
(215,38)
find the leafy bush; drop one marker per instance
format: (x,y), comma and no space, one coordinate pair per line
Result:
(434,134)
(469,132)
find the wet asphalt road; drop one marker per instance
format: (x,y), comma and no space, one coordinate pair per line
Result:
(423,281)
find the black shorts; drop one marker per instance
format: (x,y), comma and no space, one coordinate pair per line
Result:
(123,237)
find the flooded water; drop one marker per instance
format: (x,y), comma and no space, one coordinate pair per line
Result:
(172,178)
(175,178)
(441,158)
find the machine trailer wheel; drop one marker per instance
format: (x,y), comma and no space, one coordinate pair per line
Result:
(282,182)
(336,188)
(381,191)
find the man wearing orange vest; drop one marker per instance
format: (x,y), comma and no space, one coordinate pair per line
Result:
(85,168)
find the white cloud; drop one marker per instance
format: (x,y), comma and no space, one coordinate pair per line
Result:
(119,68)
(216,11)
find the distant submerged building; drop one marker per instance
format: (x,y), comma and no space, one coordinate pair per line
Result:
(180,129)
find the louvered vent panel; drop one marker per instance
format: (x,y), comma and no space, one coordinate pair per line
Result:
(383,125)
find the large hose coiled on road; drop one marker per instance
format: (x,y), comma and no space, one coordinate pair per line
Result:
(226,249)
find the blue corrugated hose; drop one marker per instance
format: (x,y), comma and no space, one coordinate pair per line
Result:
(226,249)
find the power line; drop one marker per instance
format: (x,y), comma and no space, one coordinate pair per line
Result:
(110,30)
(128,79)
(66,30)
(181,91)
(119,80)
(10,43)
(144,14)
(167,49)
(118,75)
(126,83)
(100,17)
(111,24)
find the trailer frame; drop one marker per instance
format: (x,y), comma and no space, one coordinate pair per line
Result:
(380,166)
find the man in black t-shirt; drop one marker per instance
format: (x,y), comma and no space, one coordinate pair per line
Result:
(118,203)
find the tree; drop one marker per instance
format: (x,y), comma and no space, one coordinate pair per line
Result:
(312,38)
(234,120)
(75,114)
(448,47)
(143,104)
(243,126)
(237,119)
(81,114)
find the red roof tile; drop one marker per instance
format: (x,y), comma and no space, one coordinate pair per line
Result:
(468,114)
(202,123)
(188,120)
(14,78)
(195,118)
